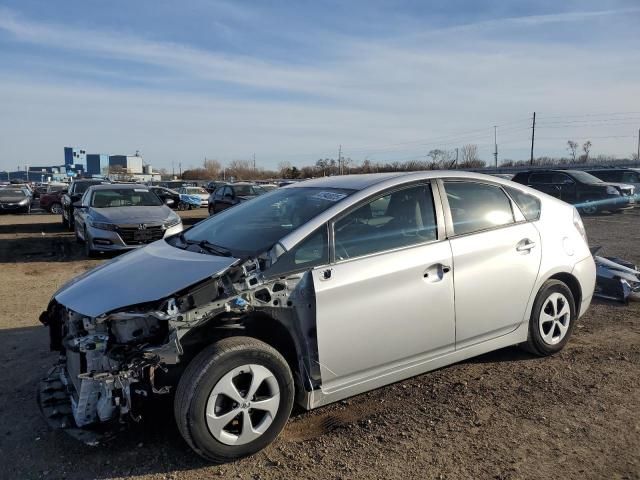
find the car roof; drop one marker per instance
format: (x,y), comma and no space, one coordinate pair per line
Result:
(120,186)
(365,180)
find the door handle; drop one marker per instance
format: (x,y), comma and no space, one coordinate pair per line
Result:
(436,272)
(525,245)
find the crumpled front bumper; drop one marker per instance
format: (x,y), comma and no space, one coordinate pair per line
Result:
(54,400)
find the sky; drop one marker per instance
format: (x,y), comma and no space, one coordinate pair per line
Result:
(292,81)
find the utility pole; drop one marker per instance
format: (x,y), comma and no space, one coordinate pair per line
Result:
(495,143)
(533,136)
(340,159)
(180,168)
(173,168)
(638,145)
(254,162)
(456,162)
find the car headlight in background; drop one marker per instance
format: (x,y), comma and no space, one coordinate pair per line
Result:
(172,223)
(23,202)
(613,191)
(577,222)
(102,225)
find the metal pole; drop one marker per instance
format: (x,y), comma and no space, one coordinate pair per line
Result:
(495,143)
(638,145)
(533,136)
(340,159)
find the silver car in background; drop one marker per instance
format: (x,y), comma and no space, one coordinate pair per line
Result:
(122,217)
(313,293)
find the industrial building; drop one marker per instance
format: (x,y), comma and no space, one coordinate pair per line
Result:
(97,164)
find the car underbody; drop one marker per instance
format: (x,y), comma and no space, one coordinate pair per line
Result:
(112,365)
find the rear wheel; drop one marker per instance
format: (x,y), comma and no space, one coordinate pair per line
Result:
(233,399)
(89,252)
(552,319)
(56,208)
(589,207)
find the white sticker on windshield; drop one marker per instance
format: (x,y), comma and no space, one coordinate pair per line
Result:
(140,190)
(329,196)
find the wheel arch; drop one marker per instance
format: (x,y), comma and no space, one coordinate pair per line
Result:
(574,285)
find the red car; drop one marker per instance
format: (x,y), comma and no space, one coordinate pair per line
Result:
(52,200)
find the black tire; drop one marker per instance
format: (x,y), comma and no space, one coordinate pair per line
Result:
(55,206)
(536,344)
(204,372)
(65,224)
(588,208)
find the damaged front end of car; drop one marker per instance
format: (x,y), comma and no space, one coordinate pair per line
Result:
(115,359)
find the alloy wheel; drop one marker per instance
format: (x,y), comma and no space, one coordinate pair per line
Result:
(243,404)
(56,208)
(555,317)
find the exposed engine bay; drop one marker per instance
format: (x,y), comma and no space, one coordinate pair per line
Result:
(111,365)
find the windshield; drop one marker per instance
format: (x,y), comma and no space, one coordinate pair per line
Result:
(254,227)
(12,192)
(585,177)
(55,188)
(195,191)
(125,197)
(248,190)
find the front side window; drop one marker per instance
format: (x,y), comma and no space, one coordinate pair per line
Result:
(477,206)
(562,179)
(398,219)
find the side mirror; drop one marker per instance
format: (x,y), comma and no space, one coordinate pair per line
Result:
(169,201)
(228,195)
(78,205)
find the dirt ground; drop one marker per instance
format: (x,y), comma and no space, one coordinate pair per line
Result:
(504,415)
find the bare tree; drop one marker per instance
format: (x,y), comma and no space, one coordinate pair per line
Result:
(586,148)
(241,169)
(573,150)
(469,153)
(212,168)
(283,168)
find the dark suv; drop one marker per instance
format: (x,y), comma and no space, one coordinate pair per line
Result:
(620,175)
(76,190)
(588,193)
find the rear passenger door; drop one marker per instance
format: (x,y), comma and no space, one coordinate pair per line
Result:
(387,298)
(496,257)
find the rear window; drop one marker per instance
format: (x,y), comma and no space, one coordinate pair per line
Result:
(528,204)
(477,206)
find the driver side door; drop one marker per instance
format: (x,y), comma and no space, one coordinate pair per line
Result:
(385,304)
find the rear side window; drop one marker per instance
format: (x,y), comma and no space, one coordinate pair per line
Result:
(535,178)
(528,204)
(477,206)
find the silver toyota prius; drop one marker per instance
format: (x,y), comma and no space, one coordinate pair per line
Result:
(122,217)
(310,294)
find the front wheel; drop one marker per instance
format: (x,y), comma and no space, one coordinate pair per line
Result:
(56,208)
(552,319)
(233,399)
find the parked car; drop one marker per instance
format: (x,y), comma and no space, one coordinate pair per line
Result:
(590,194)
(232,194)
(51,200)
(74,193)
(167,194)
(314,293)
(626,176)
(196,192)
(267,187)
(15,199)
(211,186)
(122,217)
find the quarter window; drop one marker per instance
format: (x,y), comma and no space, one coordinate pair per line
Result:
(398,219)
(477,206)
(528,204)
